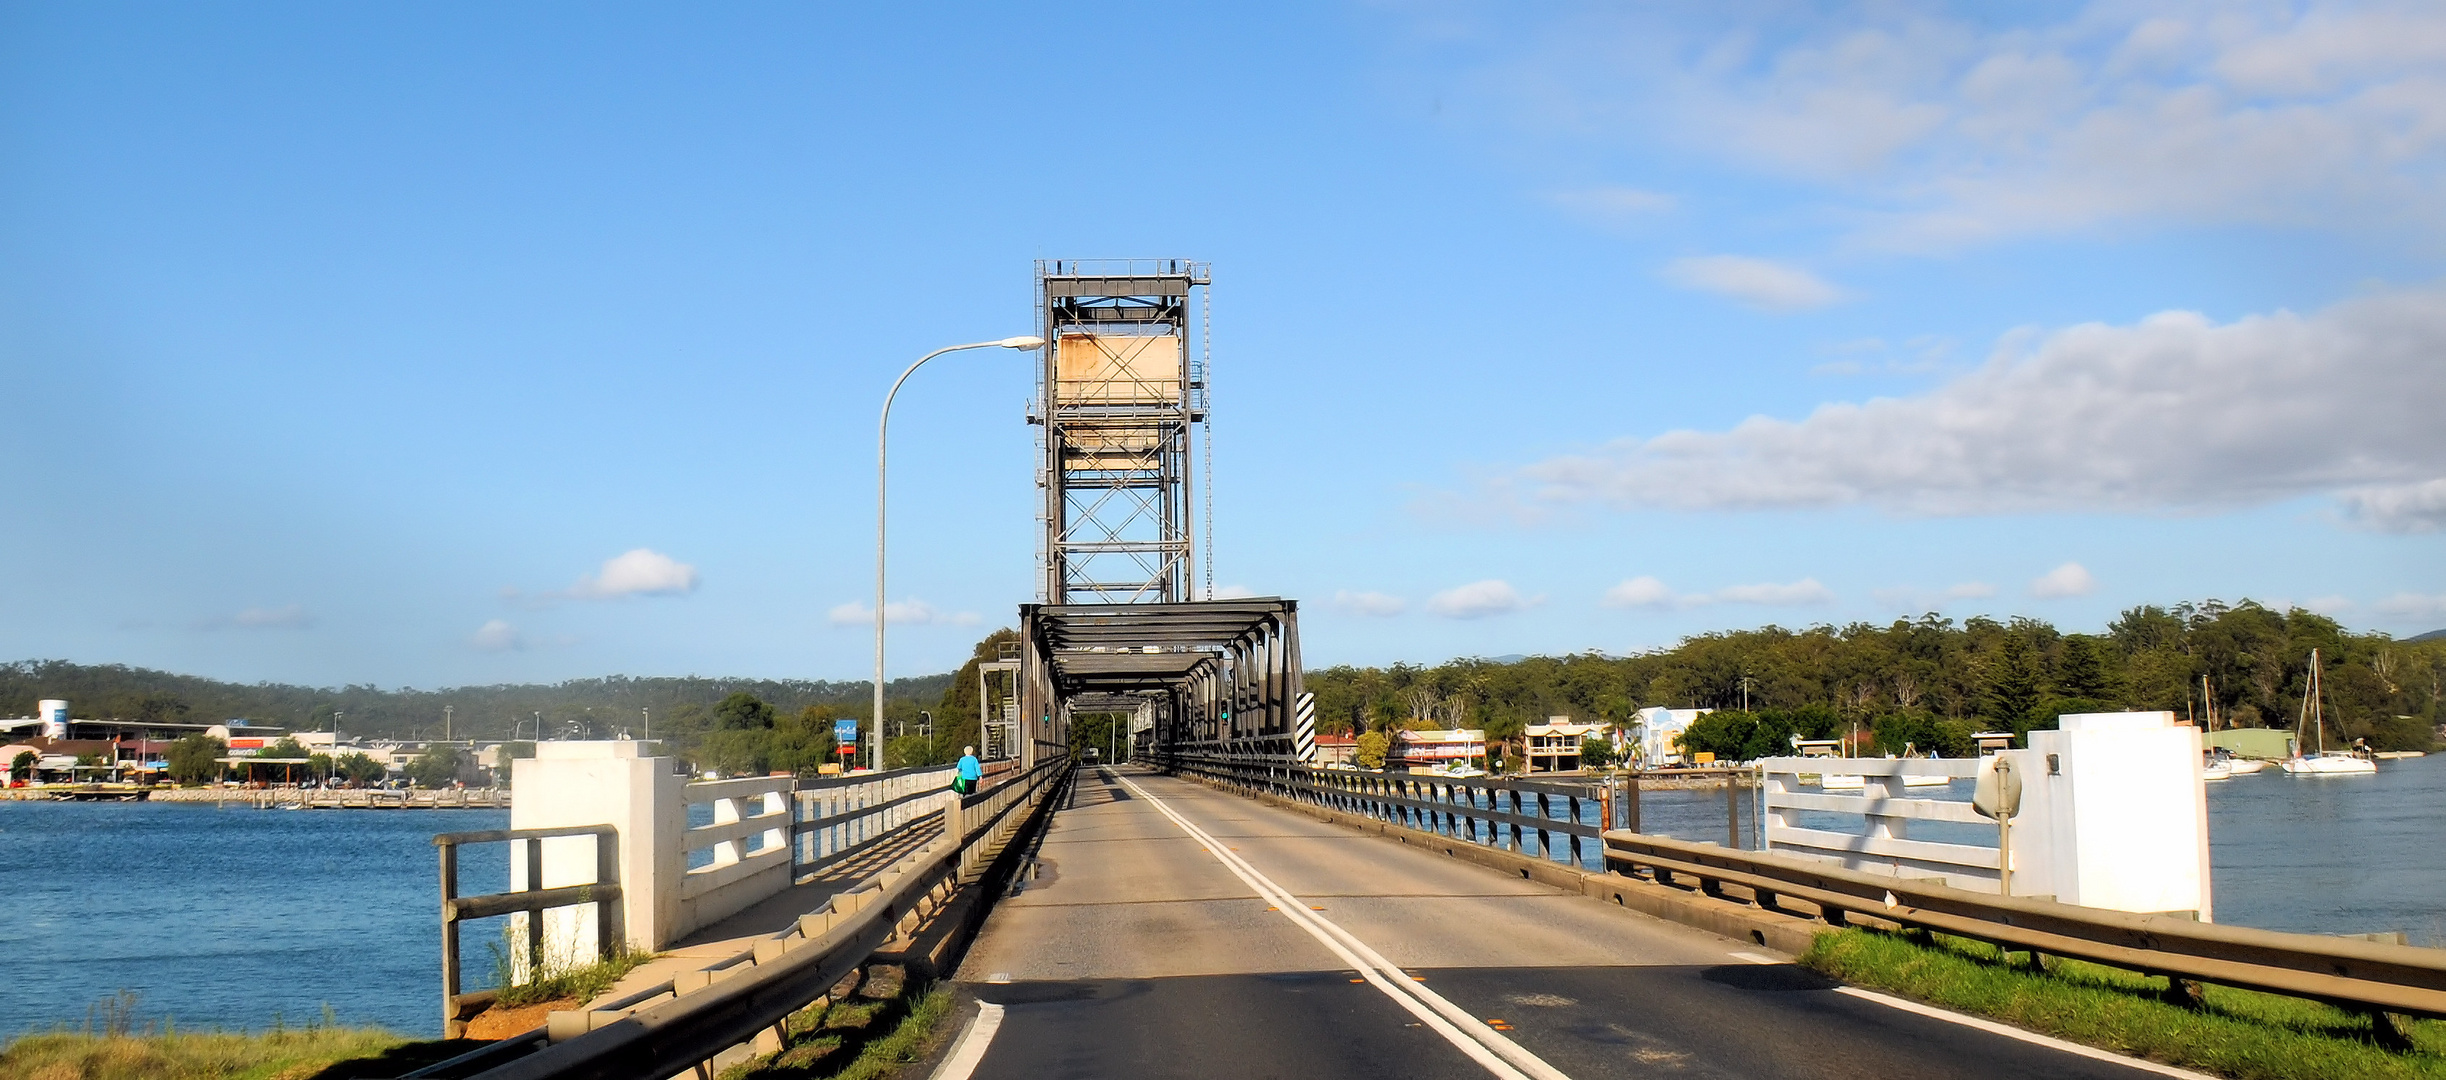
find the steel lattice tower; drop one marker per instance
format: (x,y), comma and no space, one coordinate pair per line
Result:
(1119,396)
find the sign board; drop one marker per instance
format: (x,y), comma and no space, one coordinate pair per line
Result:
(845,732)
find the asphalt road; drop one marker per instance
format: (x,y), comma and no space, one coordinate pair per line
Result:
(1132,949)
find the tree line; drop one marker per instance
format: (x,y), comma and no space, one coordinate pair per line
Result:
(1928,682)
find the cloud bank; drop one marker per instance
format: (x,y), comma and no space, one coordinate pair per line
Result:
(1478,600)
(2175,412)
(1760,283)
(910,612)
(640,572)
(1648,592)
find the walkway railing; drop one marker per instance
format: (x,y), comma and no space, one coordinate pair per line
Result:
(603,896)
(679,1025)
(1884,810)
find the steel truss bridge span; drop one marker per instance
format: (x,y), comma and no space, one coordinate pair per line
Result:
(1211,676)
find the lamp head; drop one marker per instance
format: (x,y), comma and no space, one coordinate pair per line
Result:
(1022,343)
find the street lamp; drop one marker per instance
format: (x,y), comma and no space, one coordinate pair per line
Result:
(882,427)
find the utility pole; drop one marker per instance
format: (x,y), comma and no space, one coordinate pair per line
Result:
(648,710)
(445,723)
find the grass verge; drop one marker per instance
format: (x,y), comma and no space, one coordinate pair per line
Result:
(2237,1033)
(854,1039)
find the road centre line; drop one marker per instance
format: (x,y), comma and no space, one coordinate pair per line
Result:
(1490,1049)
(1994,1028)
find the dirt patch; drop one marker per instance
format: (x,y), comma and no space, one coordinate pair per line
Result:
(501,1023)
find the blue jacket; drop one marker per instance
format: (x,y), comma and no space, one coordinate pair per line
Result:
(970,769)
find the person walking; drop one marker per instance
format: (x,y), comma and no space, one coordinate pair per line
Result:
(971,771)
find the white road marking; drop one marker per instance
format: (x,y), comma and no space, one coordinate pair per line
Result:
(1490,1049)
(1994,1028)
(970,1051)
(2031,1037)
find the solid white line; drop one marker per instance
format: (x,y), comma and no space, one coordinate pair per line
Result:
(2032,1037)
(970,1051)
(1994,1028)
(1464,1030)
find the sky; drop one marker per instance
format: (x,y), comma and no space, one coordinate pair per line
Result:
(436,344)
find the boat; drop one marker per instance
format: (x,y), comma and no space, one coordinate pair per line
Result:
(2244,766)
(2397,755)
(2217,764)
(2323,761)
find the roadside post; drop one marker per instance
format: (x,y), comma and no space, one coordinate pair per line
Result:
(1997,795)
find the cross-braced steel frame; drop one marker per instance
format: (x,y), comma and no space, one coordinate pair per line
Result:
(1118,403)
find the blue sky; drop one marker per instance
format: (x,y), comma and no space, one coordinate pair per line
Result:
(435,344)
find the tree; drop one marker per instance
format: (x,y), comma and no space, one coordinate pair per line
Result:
(21,768)
(742,711)
(2012,685)
(2080,674)
(194,759)
(361,768)
(286,747)
(1372,748)
(1596,751)
(436,767)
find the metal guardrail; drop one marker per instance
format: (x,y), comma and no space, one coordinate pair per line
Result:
(2359,975)
(604,894)
(673,1027)
(1476,809)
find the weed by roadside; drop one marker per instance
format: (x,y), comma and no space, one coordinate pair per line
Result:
(865,1036)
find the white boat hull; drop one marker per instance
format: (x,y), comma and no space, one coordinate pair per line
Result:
(2218,771)
(2245,766)
(2329,765)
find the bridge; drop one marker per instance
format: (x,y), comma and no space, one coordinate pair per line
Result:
(1220,904)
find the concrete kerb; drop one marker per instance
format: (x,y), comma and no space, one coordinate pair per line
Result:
(1787,934)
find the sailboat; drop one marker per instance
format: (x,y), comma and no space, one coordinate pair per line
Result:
(2322,762)
(2222,764)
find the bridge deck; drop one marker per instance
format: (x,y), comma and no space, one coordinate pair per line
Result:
(1131,949)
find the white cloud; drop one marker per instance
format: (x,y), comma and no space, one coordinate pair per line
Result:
(497,635)
(2172,413)
(2329,605)
(2411,605)
(1641,592)
(1368,603)
(641,572)
(1233,592)
(910,612)
(1613,205)
(2418,507)
(1760,283)
(284,617)
(1478,600)
(1913,599)
(2070,579)
(1927,129)
(1648,592)
(1804,591)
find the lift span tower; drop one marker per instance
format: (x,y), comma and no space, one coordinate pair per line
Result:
(1121,409)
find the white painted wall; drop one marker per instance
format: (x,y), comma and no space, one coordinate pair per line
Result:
(2114,814)
(603,783)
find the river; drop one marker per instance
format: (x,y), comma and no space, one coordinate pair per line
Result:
(234,917)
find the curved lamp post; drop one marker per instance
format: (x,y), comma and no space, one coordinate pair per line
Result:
(882,427)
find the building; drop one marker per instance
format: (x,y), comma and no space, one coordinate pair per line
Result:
(1554,746)
(1428,749)
(1342,749)
(1660,733)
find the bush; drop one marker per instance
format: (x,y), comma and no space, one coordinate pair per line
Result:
(436,767)
(1372,748)
(1595,751)
(194,759)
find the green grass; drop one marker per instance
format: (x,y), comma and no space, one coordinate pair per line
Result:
(2237,1033)
(110,1047)
(822,1038)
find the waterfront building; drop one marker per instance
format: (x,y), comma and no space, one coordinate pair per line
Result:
(1660,733)
(1428,749)
(1554,746)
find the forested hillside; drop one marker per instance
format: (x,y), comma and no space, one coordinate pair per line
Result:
(1931,681)
(610,704)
